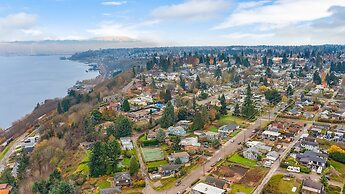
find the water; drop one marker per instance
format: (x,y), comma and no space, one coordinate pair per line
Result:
(27,80)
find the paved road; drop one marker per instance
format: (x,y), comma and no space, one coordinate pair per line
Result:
(225,150)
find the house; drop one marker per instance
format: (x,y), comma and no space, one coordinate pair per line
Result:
(309,186)
(210,180)
(183,156)
(251,153)
(202,188)
(115,190)
(270,135)
(168,170)
(122,179)
(310,144)
(178,131)
(126,143)
(225,130)
(262,147)
(5,188)
(272,155)
(190,141)
(29,143)
(211,136)
(316,161)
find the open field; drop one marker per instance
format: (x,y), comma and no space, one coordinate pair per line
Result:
(278,185)
(237,158)
(152,154)
(241,188)
(228,119)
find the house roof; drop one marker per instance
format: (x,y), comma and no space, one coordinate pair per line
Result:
(180,154)
(312,184)
(215,182)
(170,167)
(271,133)
(110,190)
(122,176)
(207,189)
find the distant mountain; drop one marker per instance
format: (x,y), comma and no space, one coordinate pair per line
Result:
(70,46)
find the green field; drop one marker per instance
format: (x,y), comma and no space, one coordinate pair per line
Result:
(338,166)
(241,188)
(228,119)
(213,129)
(156,163)
(83,167)
(276,184)
(7,148)
(236,158)
(152,154)
(166,184)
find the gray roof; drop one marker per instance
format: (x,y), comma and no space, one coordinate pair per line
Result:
(312,184)
(122,176)
(110,190)
(171,167)
(215,182)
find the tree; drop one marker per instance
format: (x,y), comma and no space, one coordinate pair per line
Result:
(160,135)
(198,122)
(176,143)
(23,163)
(223,105)
(273,96)
(59,108)
(289,91)
(324,180)
(182,114)
(125,106)
(123,127)
(133,166)
(237,111)
(198,82)
(153,83)
(248,107)
(111,154)
(182,83)
(332,79)
(316,78)
(7,177)
(168,117)
(178,161)
(218,72)
(62,188)
(97,160)
(96,117)
(291,75)
(167,96)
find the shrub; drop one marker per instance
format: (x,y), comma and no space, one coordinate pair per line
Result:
(140,183)
(305,170)
(337,156)
(152,142)
(151,169)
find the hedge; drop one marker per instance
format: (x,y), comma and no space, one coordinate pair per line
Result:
(152,142)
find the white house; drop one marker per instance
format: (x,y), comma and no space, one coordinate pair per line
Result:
(202,188)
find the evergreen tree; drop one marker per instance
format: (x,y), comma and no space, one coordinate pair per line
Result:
(125,107)
(133,72)
(223,105)
(198,82)
(167,96)
(153,83)
(273,96)
(133,166)
(168,117)
(289,91)
(123,127)
(237,111)
(160,135)
(59,109)
(331,79)
(182,83)
(97,161)
(264,60)
(248,107)
(218,72)
(291,75)
(182,114)
(198,122)
(62,188)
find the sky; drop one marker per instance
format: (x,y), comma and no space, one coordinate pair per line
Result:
(177,22)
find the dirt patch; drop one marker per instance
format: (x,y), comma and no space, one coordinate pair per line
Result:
(253,176)
(239,169)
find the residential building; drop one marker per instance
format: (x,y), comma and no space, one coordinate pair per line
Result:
(122,179)
(126,143)
(169,170)
(311,187)
(270,135)
(251,153)
(183,156)
(210,180)
(5,188)
(202,188)
(178,130)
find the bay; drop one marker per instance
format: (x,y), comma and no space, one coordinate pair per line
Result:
(27,80)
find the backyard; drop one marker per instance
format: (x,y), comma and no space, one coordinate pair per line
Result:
(227,119)
(237,158)
(277,184)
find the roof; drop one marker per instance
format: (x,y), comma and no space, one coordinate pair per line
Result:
(110,190)
(122,176)
(207,189)
(215,182)
(312,184)
(271,133)
(170,167)
(180,154)
(3,186)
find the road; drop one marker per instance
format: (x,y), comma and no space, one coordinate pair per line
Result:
(225,150)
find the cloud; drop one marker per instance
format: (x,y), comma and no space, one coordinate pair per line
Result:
(191,9)
(114,3)
(18,26)
(279,13)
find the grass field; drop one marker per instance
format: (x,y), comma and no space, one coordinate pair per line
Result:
(233,134)
(236,158)
(7,148)
(166,184)
(338,166)
(156,163)
(276,184)
(241,188)
(104,184)
(228,119)
(213,129)
(332,189)
(83,167)
(152,154)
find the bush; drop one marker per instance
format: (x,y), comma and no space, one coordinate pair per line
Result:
(284,165)
(151,169)
(305,170)
(337,156)
(140,183)
(152,142)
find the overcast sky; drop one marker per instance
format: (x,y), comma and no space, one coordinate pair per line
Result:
(177,22)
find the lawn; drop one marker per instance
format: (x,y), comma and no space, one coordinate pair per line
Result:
(332,189)
(104,184)
(236,158)
(241,188)
(125,162)
(156,163)
(338,166)
(166,184)
(213,129)
(83,167)
(228,119)
(152,154)
(277,185)
(7,148)
(233,134)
